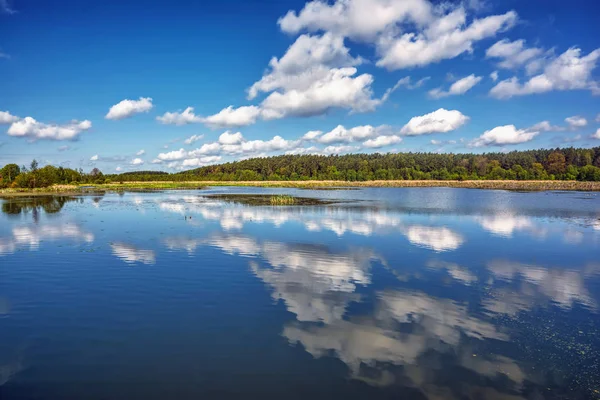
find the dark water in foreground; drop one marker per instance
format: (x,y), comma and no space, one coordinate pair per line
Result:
(425,293)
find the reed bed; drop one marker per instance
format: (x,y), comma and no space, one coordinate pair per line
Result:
(282,200)
(170,185)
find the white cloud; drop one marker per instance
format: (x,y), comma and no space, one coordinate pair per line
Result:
(7,118)
(94,157)
(340,134)
(228,138)
(569,71)
(228,144)
(445,38)
(200,161)
(173,155)
(404,82)
(494,76)
(439,121)
(576,122)
(347,17)
(461,86)
(193,138)
(545,126)
(137,161)
(180,118)
(382,141)
(514,54)
(118,169)
(597,134)
(504,135)
(312,135)
(339,149)
(308,59)
(140,153)
(338,88)
(29,127)
(128,108)
(233,117)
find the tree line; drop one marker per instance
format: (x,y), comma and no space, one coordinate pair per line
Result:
(32,176)
(544,164)
(554,164)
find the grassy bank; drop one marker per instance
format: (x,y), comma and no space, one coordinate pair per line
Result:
(482,184)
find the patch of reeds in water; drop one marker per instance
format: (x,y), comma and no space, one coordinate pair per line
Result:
(282,200)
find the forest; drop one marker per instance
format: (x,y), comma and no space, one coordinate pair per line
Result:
(543,164)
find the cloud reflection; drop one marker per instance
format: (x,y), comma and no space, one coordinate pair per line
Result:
(563,287)
(339,220)
(31,236)
(131,254)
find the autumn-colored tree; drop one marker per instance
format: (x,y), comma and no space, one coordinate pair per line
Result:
(557,164)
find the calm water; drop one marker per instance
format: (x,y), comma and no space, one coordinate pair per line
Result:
(427,293)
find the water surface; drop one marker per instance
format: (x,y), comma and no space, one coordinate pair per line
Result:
(411,293)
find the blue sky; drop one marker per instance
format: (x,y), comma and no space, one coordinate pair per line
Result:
(106,83)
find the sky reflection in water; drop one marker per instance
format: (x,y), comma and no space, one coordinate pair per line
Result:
(417,293)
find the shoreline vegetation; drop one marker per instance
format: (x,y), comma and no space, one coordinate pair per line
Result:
(68,190)
(544,169)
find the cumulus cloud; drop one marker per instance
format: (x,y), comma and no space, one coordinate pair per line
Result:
(140,153)
(137,161)
(95,157)
(229,138)
(231,117)
(347,17)
(382,141)
(7,118)
(515,54)
(128,108)
(439,121)
(597,134)
(545,126)
(569,71)
(340,134)
(173,155)
(200,161)
(193,138)
(461,86)
(504,135)
(185,117)
(311,135)
(446,37)
(30,128)
(228,144)
(576,122)
(337,88)
(308,59)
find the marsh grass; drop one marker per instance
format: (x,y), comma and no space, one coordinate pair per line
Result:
(170,185)
(282,200)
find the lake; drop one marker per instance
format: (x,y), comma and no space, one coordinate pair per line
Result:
(408,293)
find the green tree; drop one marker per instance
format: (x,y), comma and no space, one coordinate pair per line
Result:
(9,172)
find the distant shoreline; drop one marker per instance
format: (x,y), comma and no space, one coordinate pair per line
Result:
(70,190)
